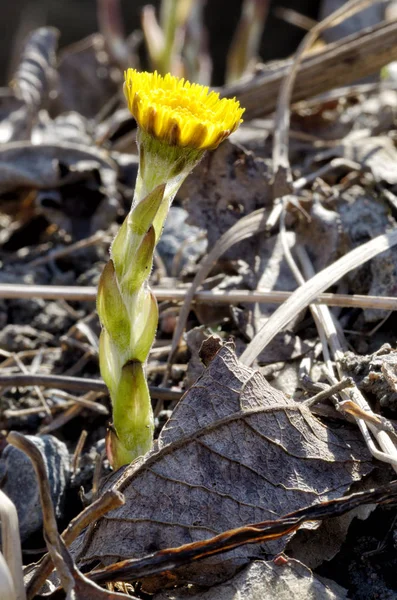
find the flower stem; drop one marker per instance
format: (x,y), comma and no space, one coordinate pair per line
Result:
(126,306)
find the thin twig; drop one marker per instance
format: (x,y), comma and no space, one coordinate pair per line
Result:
(98,237)
(110,500)
(74,384)
(78,450)
(328,392)
(54,292)
(281,165)
(38,391)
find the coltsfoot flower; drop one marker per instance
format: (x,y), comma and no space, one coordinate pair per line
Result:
(177,122)
(178,112)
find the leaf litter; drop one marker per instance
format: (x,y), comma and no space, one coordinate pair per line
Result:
(235,450)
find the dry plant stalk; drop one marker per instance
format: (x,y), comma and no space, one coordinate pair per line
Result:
(244,49)
(281,166)
(304,295)
(75,584)
(283,186)
(110,500)
(358,56)
(89,293)
(388,452)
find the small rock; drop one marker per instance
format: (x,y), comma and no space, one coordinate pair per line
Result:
(16,338)
(18,481)
(53,319)
(176,231)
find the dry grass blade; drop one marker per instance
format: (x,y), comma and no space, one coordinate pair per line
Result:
(243,229)
(11,547)
(308,292)
(281,166)
(6,584)
(388,452)
(50,526)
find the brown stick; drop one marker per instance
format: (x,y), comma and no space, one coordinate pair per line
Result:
(341,63)
(75,384)
(108,501)
(71,292)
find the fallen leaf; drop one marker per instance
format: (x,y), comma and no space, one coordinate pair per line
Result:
(376,154)
(77,183)
(36,73)
(87,77)
(235,451)
(227,185)
(364,216)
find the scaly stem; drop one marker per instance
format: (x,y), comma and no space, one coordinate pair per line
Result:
(126,306)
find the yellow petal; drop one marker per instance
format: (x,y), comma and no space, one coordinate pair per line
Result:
(178,112)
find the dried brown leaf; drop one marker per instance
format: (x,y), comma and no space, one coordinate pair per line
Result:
(88,78)
(229,184)
(235,451)
(66,173)
(376,153)
(36,73)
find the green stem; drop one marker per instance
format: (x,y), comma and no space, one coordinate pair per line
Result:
(126,306)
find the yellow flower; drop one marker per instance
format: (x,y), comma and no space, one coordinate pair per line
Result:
(178,112)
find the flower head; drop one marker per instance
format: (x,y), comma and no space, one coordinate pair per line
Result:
(178,112)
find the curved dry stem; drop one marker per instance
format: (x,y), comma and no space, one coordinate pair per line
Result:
(243,229)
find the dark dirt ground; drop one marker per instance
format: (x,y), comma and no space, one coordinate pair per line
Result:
(347,206)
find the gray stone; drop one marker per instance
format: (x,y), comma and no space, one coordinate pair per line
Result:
(18,480)
(176,231)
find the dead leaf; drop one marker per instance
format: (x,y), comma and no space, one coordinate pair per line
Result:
(66,173)
(364,216)
(377,154)
(30,89)
(227,185)
(261,580)
(13,117)
(69,127)
(87,77)
(235,451)
(36,74)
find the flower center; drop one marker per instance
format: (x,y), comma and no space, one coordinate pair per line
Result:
(181,103)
